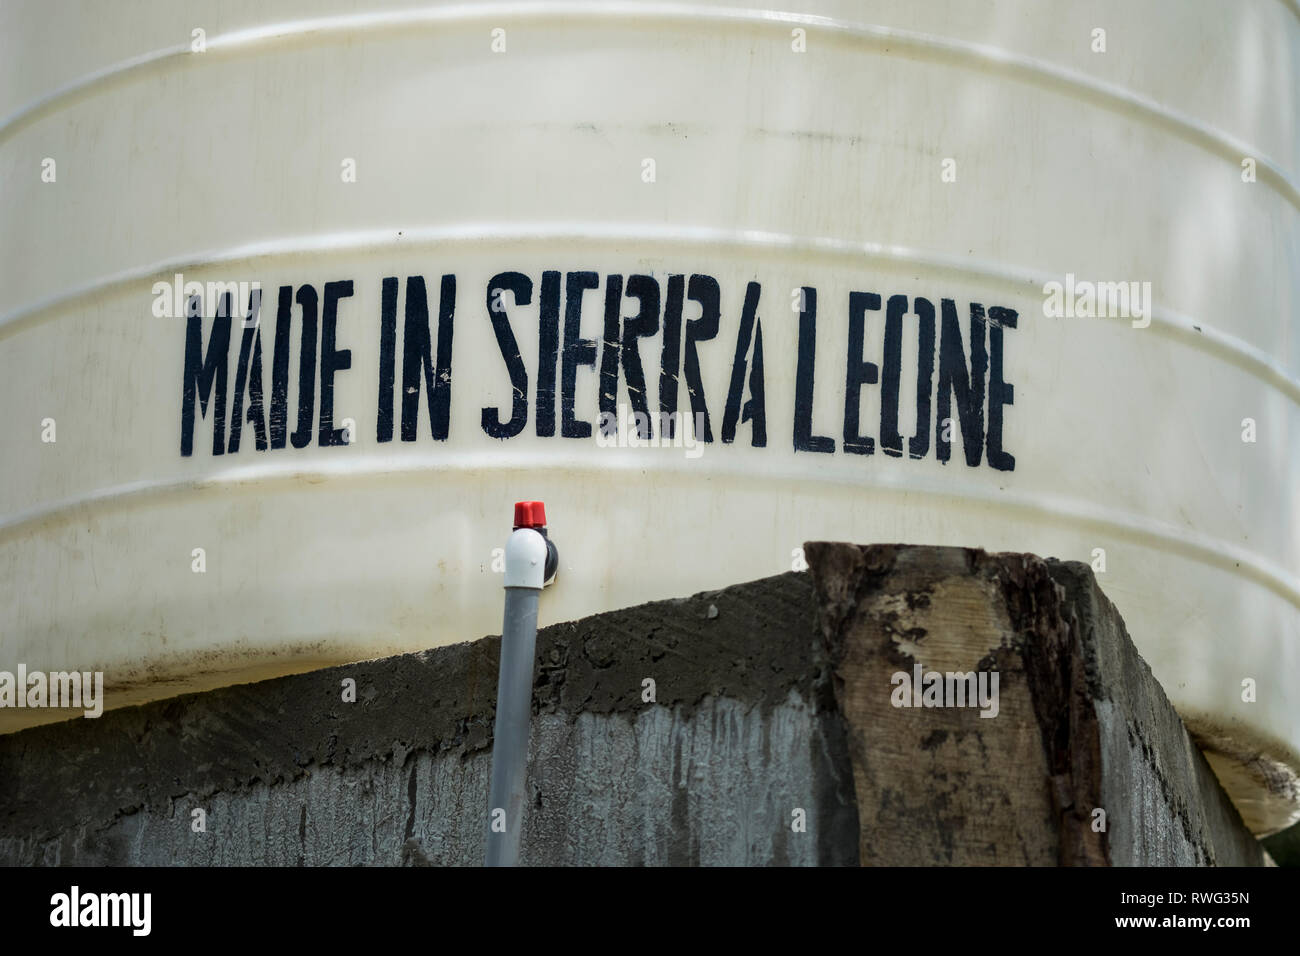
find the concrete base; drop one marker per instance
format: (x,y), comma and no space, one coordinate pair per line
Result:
(1082,762)
(752,725)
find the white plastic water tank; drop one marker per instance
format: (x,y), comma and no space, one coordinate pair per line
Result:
(835,230)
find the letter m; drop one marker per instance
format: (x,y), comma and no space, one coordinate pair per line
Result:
(66,688)
(1112,300)
(961,688)
(117,904)
(200,376)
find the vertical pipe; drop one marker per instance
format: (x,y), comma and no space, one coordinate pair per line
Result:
(526,567)
(510,734)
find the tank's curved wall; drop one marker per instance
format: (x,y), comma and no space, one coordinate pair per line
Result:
(823,169)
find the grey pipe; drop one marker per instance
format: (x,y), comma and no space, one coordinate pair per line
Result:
(510,734)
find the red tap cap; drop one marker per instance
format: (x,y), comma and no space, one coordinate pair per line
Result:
(530,514)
